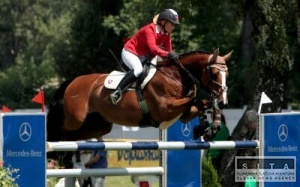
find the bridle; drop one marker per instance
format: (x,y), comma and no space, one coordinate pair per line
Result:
(222,87)
(222,68)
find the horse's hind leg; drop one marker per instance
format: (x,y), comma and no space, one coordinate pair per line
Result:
(73,122)
(76,106)
(93,127)
(75,111)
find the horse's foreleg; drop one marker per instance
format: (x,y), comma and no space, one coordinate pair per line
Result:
(196,109)
(189,114)
(177,103)
(217,114)
(203,105)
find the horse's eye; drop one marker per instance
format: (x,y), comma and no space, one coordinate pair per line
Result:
(214,76)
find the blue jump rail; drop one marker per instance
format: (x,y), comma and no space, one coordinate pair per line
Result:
(160,145)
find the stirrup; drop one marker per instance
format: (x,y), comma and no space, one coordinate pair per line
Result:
(116,97)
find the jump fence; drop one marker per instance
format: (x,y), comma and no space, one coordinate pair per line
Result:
(160,145)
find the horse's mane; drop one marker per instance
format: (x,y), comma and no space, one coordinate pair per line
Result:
(190,53)
(184,55)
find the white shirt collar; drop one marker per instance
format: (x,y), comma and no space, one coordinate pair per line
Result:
(159,30)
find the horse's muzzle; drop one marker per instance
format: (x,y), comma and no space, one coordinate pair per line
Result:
(220,105)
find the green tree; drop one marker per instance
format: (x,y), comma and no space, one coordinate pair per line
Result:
(26,62)
(9,14)
(20,83)
(293,34)
(209,174)
(274,57)
(84,48)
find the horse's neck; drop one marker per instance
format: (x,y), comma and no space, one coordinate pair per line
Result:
(170,69)
(178,81)
(194,62)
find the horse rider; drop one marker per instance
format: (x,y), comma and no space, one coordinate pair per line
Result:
(151,40)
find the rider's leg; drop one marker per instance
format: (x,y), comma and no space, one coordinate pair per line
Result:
(134,63)
(128,79)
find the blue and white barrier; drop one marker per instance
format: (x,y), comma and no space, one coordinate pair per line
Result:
(105,172)
(176,145)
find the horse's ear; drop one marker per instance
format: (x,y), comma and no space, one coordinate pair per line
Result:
(226,57)
(215,55)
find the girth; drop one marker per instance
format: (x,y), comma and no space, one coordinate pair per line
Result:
(147,120)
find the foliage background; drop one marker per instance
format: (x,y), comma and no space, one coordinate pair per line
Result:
(8,176)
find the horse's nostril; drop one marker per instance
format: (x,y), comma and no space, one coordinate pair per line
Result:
(221,105)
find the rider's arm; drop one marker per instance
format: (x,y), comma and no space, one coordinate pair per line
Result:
(151,36)
(167,43)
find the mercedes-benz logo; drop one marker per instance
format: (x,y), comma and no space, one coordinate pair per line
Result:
(25,132)
(282,132)
(186,129)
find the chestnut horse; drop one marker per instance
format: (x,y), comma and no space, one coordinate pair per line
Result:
(181,89)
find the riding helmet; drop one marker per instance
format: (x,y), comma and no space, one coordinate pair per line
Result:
(170,15)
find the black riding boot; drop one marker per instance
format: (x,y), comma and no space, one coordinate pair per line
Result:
(127,80)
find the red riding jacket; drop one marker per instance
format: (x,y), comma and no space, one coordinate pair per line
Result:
(149,40)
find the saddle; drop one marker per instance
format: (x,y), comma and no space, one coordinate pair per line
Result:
(149,69)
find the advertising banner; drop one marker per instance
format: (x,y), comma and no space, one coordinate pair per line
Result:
(280,133)
(24,147)
(183,166)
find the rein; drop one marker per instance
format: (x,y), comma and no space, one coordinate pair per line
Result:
(192,77)
(187,72)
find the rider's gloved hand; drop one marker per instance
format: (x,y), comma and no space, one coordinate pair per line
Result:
(172,56)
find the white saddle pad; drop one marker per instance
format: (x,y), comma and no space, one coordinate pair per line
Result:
(114,78)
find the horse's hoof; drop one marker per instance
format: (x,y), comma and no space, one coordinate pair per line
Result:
(198,131)
(210,134)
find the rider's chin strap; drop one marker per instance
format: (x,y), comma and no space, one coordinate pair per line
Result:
(163,26)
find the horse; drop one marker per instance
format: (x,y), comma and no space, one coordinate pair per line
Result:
(176,90)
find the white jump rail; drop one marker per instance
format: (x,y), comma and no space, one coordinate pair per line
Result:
(104,172)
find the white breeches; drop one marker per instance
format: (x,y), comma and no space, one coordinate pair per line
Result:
(133,62)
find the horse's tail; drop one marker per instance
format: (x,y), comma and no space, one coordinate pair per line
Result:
(55,120)
(55,116)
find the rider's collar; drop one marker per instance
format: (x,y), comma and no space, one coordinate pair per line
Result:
(159,30)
